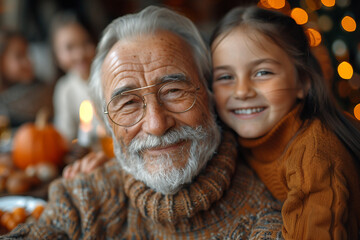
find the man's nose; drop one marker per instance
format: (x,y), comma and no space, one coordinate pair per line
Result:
(157,119)
(244,89)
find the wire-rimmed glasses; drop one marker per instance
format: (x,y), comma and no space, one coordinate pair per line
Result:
(128,108)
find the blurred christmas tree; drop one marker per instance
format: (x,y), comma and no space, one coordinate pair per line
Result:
(335,38)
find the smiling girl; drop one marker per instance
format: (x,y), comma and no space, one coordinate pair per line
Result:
(269,90)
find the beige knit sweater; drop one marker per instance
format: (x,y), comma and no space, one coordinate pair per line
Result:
(226,201)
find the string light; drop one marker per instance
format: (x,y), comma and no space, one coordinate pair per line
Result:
(276,4)
(345,70)
(299,15)
(357,111)
(314,37)
(348,24)
(328,3)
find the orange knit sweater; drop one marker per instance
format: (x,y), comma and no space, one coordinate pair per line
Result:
(313,174)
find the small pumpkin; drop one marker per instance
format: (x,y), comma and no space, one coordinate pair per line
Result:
(38,142)
(107,146)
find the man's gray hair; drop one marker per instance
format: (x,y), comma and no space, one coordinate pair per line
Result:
(148,21)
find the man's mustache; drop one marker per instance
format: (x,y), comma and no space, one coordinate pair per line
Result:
(173,136)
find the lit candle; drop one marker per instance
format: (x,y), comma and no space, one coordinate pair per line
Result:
(86,113)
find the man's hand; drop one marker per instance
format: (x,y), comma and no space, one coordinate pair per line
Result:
(87,164)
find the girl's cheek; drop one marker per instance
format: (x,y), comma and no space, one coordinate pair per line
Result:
(221,94)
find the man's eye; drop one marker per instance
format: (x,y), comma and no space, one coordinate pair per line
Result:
(262,73)
(224,77)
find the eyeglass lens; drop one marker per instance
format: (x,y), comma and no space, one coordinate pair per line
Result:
(129,108)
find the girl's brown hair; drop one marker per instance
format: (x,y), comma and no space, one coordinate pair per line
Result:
(288,35)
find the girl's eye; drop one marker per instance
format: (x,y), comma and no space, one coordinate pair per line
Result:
(224,77)
(262,73)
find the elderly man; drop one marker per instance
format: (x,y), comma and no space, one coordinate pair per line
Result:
(174,176)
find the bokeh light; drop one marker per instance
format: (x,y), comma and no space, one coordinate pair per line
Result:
(264,4)
(348,24)
(299,15)
(276,4)
(314,37)
(86,111)
(343,3)
(313,5)
(345,70)
(339,48)
(325,23)
(357,111)
(286,9)
(328,3)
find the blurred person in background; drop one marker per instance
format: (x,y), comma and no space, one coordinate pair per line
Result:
(21,94)
(74,50)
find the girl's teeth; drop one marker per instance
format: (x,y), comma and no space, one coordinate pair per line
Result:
(248,111)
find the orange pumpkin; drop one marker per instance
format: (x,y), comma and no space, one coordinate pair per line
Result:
(38,142)
(107,146)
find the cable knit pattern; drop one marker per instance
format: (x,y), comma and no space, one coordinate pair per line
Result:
(226,201)
(313,174)
(208,188)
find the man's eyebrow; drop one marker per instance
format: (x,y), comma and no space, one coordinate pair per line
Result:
(169,77)
(120,90)
(172,77)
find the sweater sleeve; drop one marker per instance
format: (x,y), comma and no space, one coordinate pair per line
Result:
(267,225)
(83,208)
(316,205)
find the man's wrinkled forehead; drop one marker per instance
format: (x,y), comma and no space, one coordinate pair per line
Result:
(146,53)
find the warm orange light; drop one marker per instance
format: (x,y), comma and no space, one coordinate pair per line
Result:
(328,3)
(86,112)
(299,15)
(314,37)
(276,4)
(345,70)
(357,111)
(348,24)
(264,3)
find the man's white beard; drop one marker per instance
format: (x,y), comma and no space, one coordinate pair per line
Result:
(167,179)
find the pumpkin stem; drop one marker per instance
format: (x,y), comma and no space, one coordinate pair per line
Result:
(41,118)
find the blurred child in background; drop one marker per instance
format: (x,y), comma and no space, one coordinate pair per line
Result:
(21,95)
(74,50)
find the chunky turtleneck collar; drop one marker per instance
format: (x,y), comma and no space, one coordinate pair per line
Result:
(271,146)
(208,187)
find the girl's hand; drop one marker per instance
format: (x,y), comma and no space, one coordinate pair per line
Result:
(87,164)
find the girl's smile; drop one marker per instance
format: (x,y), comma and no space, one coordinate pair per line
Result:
(255,82)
